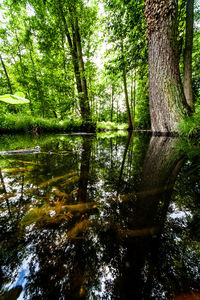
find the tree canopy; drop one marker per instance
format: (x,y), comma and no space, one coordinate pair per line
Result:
(90,60)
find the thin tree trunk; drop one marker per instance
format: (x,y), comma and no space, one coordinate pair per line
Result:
(167,101)
(112,102)
(130,125)
(133,101)
(84,102)
(73,51)
(188,53)
(6,74)
(78,63)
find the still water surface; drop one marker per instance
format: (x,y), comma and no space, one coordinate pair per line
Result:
(111,216)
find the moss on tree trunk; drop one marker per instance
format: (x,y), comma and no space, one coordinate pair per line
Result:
(167,101)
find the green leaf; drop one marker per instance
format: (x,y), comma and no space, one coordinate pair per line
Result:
(19,94)
(14,99)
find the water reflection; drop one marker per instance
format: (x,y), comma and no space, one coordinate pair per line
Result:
(96,218)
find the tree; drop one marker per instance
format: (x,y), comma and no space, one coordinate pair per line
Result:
(126,33)
(167,101)
(188,53)
(74,42)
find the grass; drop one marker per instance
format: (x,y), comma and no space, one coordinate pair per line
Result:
(20,123)
(13,123)
(108,126)
(190,128)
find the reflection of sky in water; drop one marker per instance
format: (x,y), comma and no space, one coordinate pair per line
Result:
(22,274)
(20,277)
(176,213)
(106,279)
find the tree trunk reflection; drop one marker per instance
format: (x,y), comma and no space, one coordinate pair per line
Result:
(161,166)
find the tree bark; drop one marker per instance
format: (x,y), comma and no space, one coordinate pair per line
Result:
(188,53)
(167,101)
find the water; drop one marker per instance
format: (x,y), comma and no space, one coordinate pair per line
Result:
(110,216)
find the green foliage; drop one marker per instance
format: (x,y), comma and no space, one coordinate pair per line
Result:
(104,126)
(24,123)
(14,99)
(190,128)
(36,60)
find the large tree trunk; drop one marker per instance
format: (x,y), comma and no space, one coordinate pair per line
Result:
(188,53)
(167,101)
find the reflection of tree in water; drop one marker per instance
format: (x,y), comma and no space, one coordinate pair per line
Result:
(155,265)
(127,245)
(61,253)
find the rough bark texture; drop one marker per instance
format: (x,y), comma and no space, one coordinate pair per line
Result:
(166,95)
(188,53)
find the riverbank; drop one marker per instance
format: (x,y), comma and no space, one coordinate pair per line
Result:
(11,123)
(18,123)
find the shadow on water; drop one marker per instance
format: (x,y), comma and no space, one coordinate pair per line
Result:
(99,218)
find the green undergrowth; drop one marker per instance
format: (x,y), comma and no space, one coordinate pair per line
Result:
(190,127)
(13,123)
(107,126)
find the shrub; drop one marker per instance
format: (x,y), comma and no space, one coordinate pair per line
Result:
(190,128)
